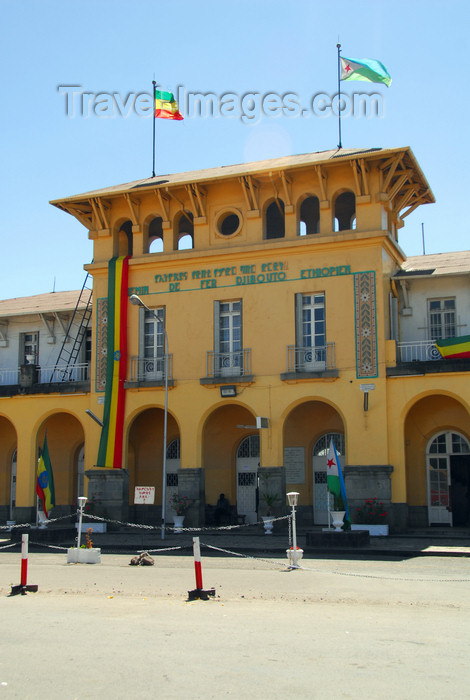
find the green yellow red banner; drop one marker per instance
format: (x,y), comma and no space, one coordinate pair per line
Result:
(112,433)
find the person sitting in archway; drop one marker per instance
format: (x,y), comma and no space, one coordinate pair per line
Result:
(222,511)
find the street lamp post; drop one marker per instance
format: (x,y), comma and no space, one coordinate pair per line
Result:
(137,301)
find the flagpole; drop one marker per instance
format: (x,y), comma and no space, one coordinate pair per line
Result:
(153,149)
(338,46)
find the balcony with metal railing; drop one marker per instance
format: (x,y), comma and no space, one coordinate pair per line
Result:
(228,367)
(150,371)
(310,362)
(417,351)
(36,379)
(418,357)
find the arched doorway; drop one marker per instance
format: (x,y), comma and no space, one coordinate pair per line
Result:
(430,417)
(248,460)
(65,437)
(320,490)
(448,479)
(307,431)
(145,457)
(224,431)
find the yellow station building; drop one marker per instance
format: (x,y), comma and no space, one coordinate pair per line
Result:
(291,316)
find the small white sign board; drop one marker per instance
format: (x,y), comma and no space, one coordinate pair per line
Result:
(367,387)
(144,495)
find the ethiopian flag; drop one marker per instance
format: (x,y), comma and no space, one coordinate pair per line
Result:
(45,479)
(166,106)
(454,348)
(110,449)
(334,478)
(367,69)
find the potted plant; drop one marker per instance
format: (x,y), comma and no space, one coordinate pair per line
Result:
(270,498)
(371,516)
(86,553)
(338,512)
(290,555)
(180,505)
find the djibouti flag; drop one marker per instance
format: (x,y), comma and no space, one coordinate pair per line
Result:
(334,478)
(368,69)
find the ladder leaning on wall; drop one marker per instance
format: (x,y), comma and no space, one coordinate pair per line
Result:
(74,337)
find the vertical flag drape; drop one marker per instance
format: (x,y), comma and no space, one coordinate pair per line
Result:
(111,442)
(334,478)
(45,479)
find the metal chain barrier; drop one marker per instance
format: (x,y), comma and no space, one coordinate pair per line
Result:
(182,529)
(388,578)
(164,549)
(49,546)
(44,523)
(244,556)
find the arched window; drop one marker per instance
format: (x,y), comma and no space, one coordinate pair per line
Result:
(345,211)
(275,221)
(173,449)
(448,479)
(249,447)
(309,216)
(322,444)
(125,238)
(185,231)
(155,235)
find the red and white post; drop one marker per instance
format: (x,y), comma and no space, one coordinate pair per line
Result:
(199,592)
(23,587)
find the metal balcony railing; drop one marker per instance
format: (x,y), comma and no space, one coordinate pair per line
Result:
(145,369)
(315,359)
(229,364)
(42,375)
(79,372)
(9,376)
(417,351)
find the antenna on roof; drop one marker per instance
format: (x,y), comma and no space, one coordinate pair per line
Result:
(53,287)
(422,238)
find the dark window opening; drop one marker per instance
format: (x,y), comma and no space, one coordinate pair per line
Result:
(125,238)
(345,211)
(275,221)
(155,237)
(309,216)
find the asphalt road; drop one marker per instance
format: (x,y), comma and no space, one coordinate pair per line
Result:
(334,629)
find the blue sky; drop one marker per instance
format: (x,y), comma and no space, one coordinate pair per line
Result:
(223,46)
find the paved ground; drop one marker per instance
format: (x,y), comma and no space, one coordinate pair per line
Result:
(335,629)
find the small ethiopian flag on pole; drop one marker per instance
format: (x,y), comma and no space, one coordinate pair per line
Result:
(166,107)
(368,69)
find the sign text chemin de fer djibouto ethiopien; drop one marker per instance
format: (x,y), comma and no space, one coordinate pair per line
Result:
(236,276)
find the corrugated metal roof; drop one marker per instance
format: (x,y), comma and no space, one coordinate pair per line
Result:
(40,304)
(238,170)
(437,264)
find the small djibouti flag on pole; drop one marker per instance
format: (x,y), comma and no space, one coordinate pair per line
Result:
(334,478)
(368,69)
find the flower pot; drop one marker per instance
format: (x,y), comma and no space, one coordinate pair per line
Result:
(95,527)
(83,555)
(375,530)
(337,519)
(178,522)
(290,555)
(268,521)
